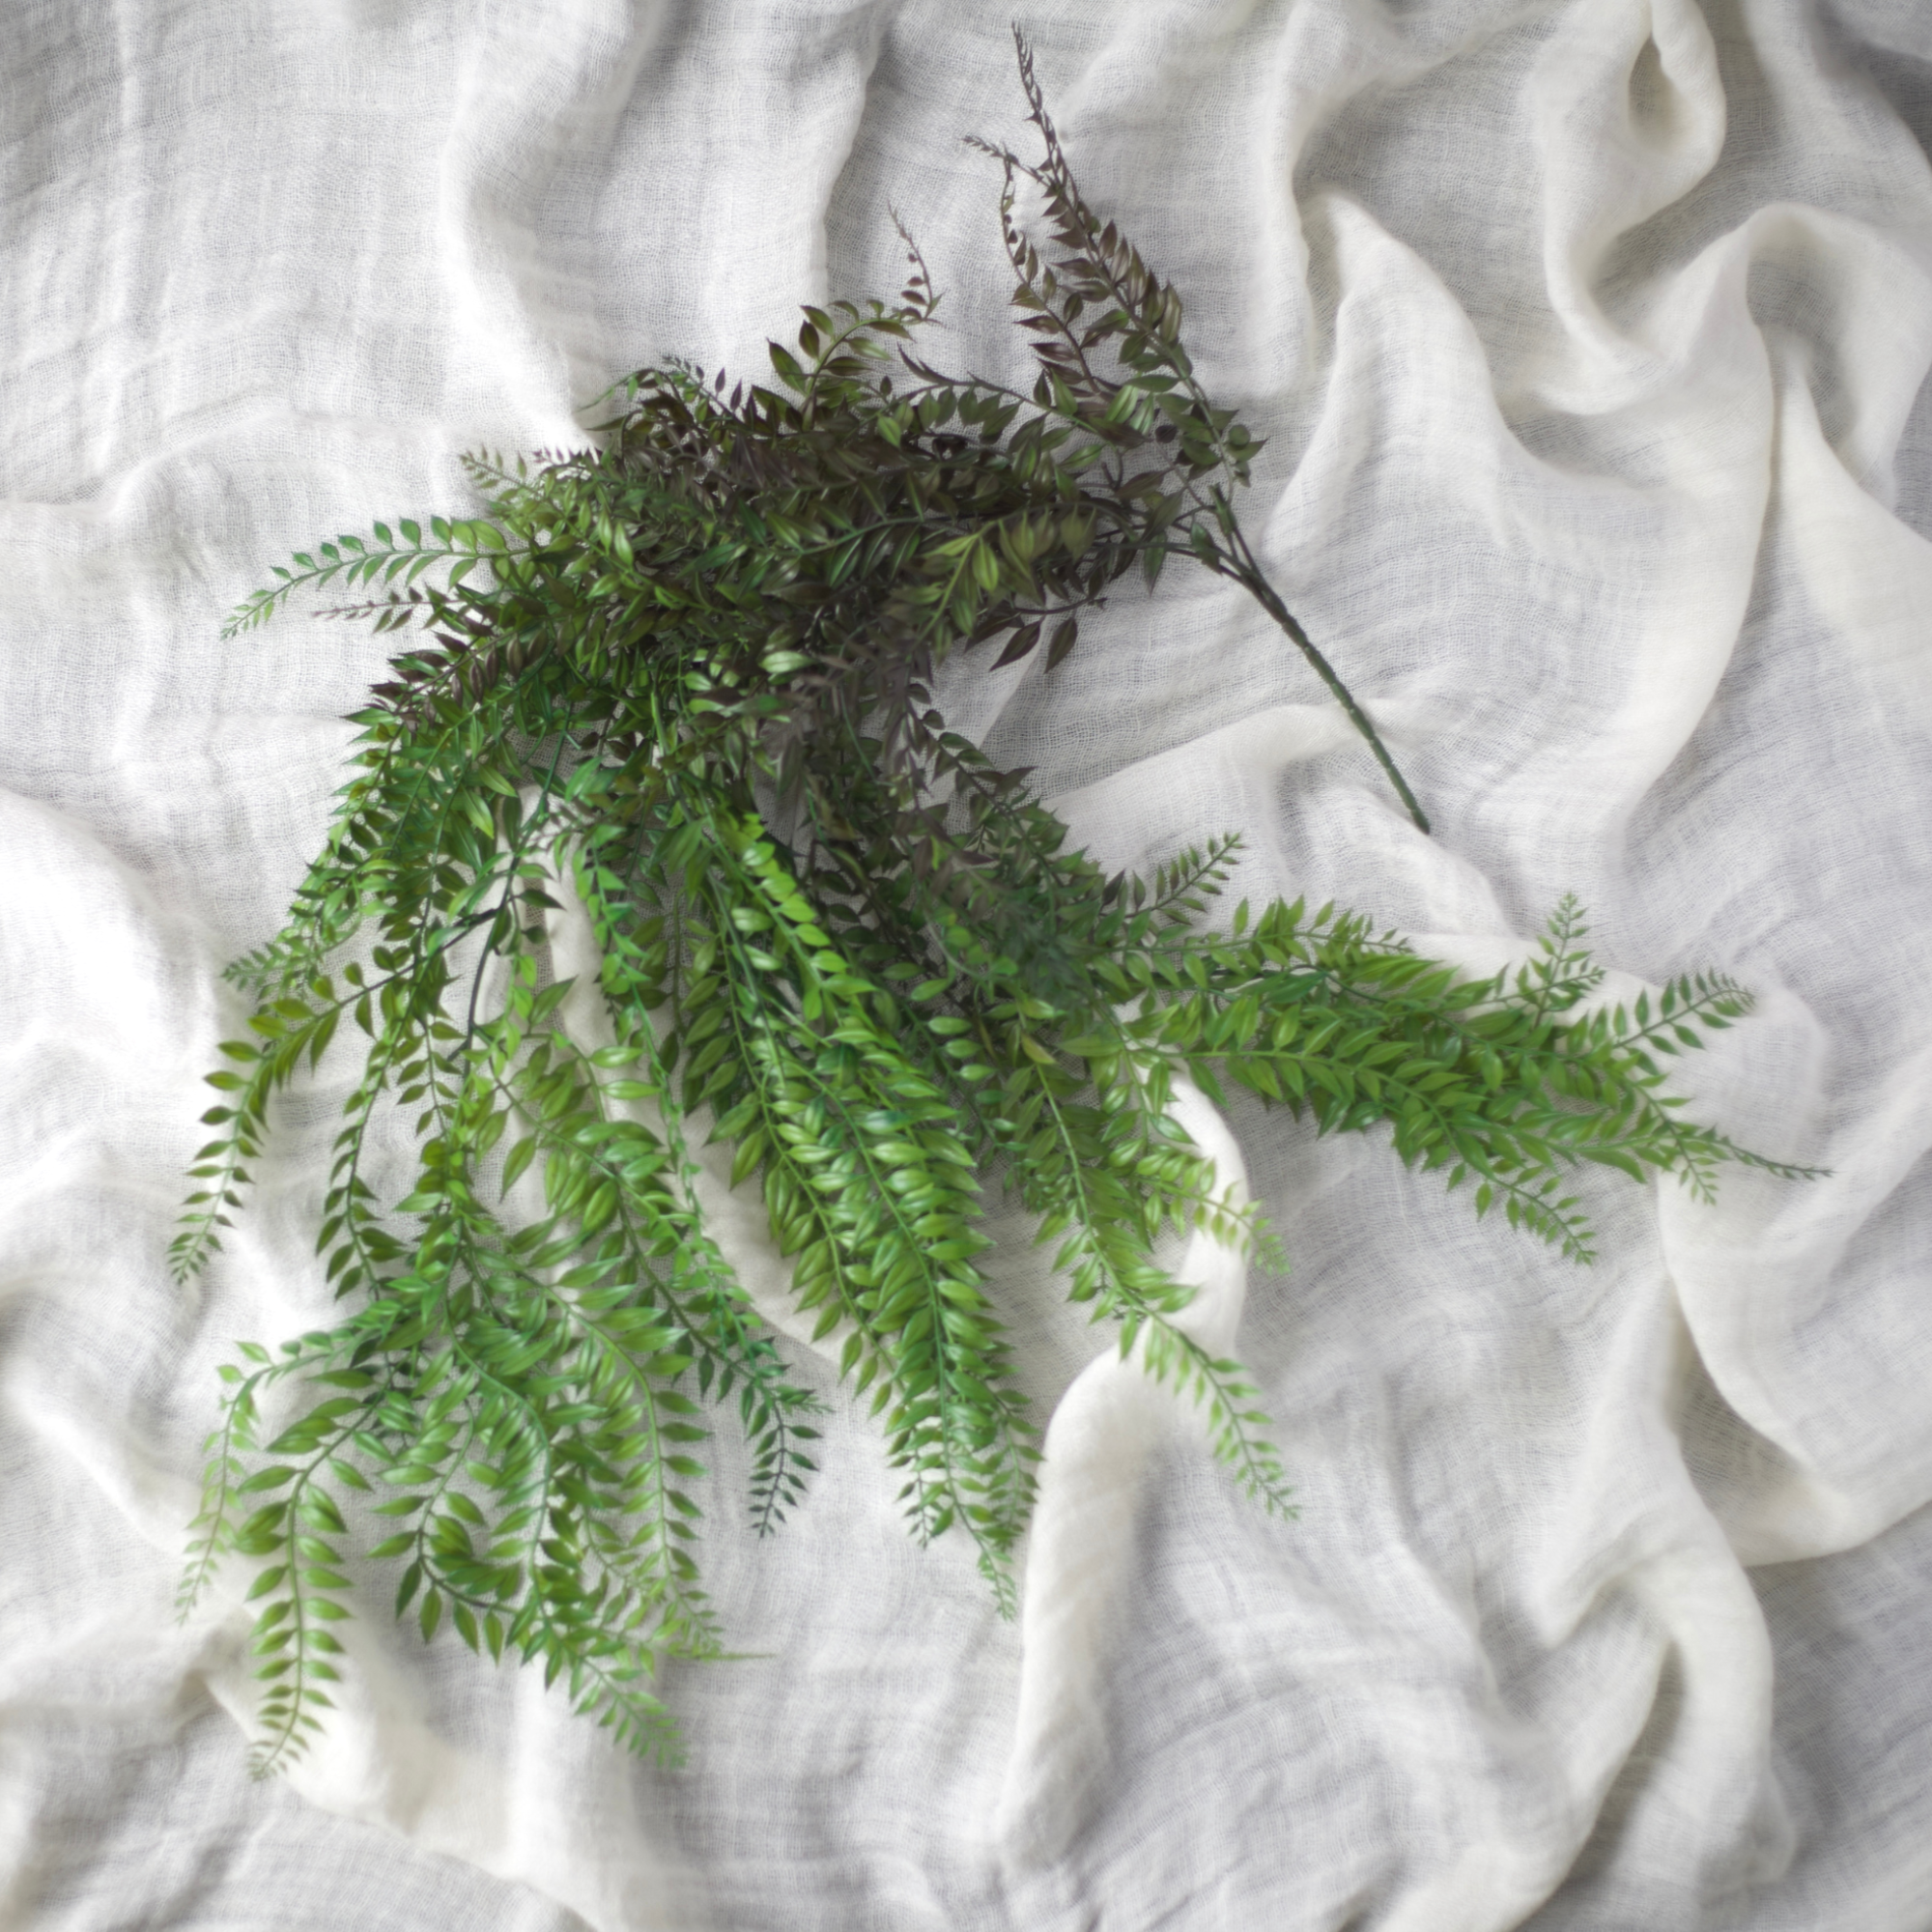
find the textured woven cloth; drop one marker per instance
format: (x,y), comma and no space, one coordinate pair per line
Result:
(1590,337)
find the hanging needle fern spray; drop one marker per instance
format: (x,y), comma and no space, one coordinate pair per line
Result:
(688,678)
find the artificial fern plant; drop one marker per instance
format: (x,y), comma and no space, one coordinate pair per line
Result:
(685,675)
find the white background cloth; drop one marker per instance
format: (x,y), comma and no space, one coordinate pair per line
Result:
(1590,337)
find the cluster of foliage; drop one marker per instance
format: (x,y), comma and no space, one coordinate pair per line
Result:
(685,676)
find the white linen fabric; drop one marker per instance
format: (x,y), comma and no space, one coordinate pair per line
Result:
(1590,337)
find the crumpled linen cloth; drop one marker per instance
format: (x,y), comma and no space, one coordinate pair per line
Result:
(1590,337)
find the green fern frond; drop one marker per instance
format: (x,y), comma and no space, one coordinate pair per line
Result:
(685,678)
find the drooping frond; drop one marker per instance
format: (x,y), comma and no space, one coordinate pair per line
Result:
(685,678)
